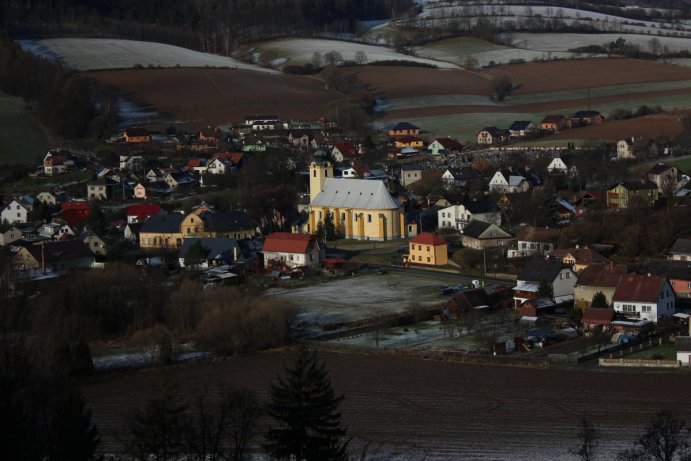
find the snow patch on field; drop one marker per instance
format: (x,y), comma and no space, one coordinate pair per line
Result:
(99,54)
(301,50)
(566,41)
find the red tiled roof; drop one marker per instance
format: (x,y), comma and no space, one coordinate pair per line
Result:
(601,276)
(428,238)
(581,255)
(193,163)
(597,316)
(347,149)
(144,209)
(233,157)
(642,288)
(449,143)
(286,242)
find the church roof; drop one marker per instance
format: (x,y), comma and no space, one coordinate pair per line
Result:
(355,193)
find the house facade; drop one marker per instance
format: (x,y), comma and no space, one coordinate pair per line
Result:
(284,249)
(560,277)
(428,249)
(98,189)
(53,255)
(619,195)
(508,182)
(597,278)
(644,297)
(17,211)
(457,178)
(680,250)
(9,234)
(361,209)
(136,135)
(522,129)
(480,235)
(554,123)
(492,135)
(459,216)
(343,151)
(404,129)
(444,146)
(410,174)
(534,241)
(664,176)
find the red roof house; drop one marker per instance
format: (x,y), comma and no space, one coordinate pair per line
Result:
(284,250)
(141,212)
(429,249)
(233,157)
(75,211)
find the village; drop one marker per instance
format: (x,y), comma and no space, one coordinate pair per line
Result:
(287,208)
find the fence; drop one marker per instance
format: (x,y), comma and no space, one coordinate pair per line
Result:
(621,362)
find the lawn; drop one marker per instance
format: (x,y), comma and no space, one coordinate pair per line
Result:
(664,352)
(21,139)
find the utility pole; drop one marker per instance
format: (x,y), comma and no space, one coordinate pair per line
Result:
(484,258)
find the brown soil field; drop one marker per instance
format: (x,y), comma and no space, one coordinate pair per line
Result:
(653,126)
(209,97)
(401,82)
(541,77)
(437,410)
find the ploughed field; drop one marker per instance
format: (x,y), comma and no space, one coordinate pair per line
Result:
(410,408)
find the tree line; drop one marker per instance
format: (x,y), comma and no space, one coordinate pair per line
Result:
(64,102)
(215,26)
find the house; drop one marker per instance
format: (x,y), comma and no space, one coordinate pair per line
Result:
(409,141)
(456,178)
(131,232)
(597,318)
(95,243)
(52,198)
(507,181)
(587,117)
(664,176)
(492,135)
(682,345)
(597,278)
(288,251)
(219,166)
(480,235)
(619,195)
(466,301)
(142,212)
(404,129)
(57,162)
(554,123)
(343,150)
(522,129)
(55,256)
(17,211)
(428,249)
(677,272)
(75,211)
(579,258)
(208,135)
(361,209)
(261,119)
(644,297)
(136,135)
(637,147)
(140,191)
(215,251)
(155,175)
(56,230)
(348,173)
(410,173)
(560,277)
(305,138)
(444,146)
(680,250)
(179,180)
(531,241)
(253,144)
(203,222)
(9,233)
(132,162)
(558,166)
(161,231)
(98,189)
(458,216)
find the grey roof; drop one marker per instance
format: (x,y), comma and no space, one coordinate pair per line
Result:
(659,168)
(519,125)
(681,246)
(404,126)
(216,248)
(355,193)
(411,167)
(479,205)
(479,229)
(227,221)
(163,223)
(466,172)
(540,269)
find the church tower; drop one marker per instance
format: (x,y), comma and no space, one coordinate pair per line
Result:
(319,172)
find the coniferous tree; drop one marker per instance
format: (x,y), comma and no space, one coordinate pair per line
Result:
(545,289)
(599,300)
(306,413)
(72,437)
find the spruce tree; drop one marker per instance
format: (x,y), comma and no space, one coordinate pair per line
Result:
(599,300)
(306,413)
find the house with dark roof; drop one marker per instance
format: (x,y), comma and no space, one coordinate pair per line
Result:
(560,277)
(285,251)
(9,233)
(508,181)
(677,272)
(637,147)
(621,194)
(410,173)
(457,178)
(54,256)
(531,241)
(480,235)
(554,123)
(161,231)
(136,135)
(404,129)
(597,318)
(466,301)
(344,151)
(680,250)
(522,129)
(96,244)
(211,251)
(492,135)
(458,216)
(597,279)
(682,345)
(664,176)
(644,297)
(429,249)
(207,223)
(579,258)
(587,117)
(444,146)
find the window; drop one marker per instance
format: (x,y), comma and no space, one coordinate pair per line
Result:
(428,259)
(320,215)
(628,308)
(419,247)
(369,218)
(561,276)
(291,257)
(646,308)
(568,275)
(427,248)
(419,258)
(314,173)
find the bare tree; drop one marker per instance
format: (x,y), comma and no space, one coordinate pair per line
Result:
(588,436)
(360,57)
(470,62)
(317,59)
(333,58)
(655,46)
(668,186)
(666,438)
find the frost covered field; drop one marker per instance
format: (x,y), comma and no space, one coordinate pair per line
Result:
(300,50)
(566,41)
(99,54)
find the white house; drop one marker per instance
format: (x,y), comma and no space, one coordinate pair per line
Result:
(444,146)
(17,211)
(558,166)
(410,174)
(349,173)
(456,178)
(458,216)
(219,166)
(644,297)
(284,249)
(508,182)
(560,277)
(531,241)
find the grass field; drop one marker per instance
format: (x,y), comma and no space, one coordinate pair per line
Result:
(21,139)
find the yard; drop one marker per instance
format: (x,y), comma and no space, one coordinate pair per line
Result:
(21,138)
